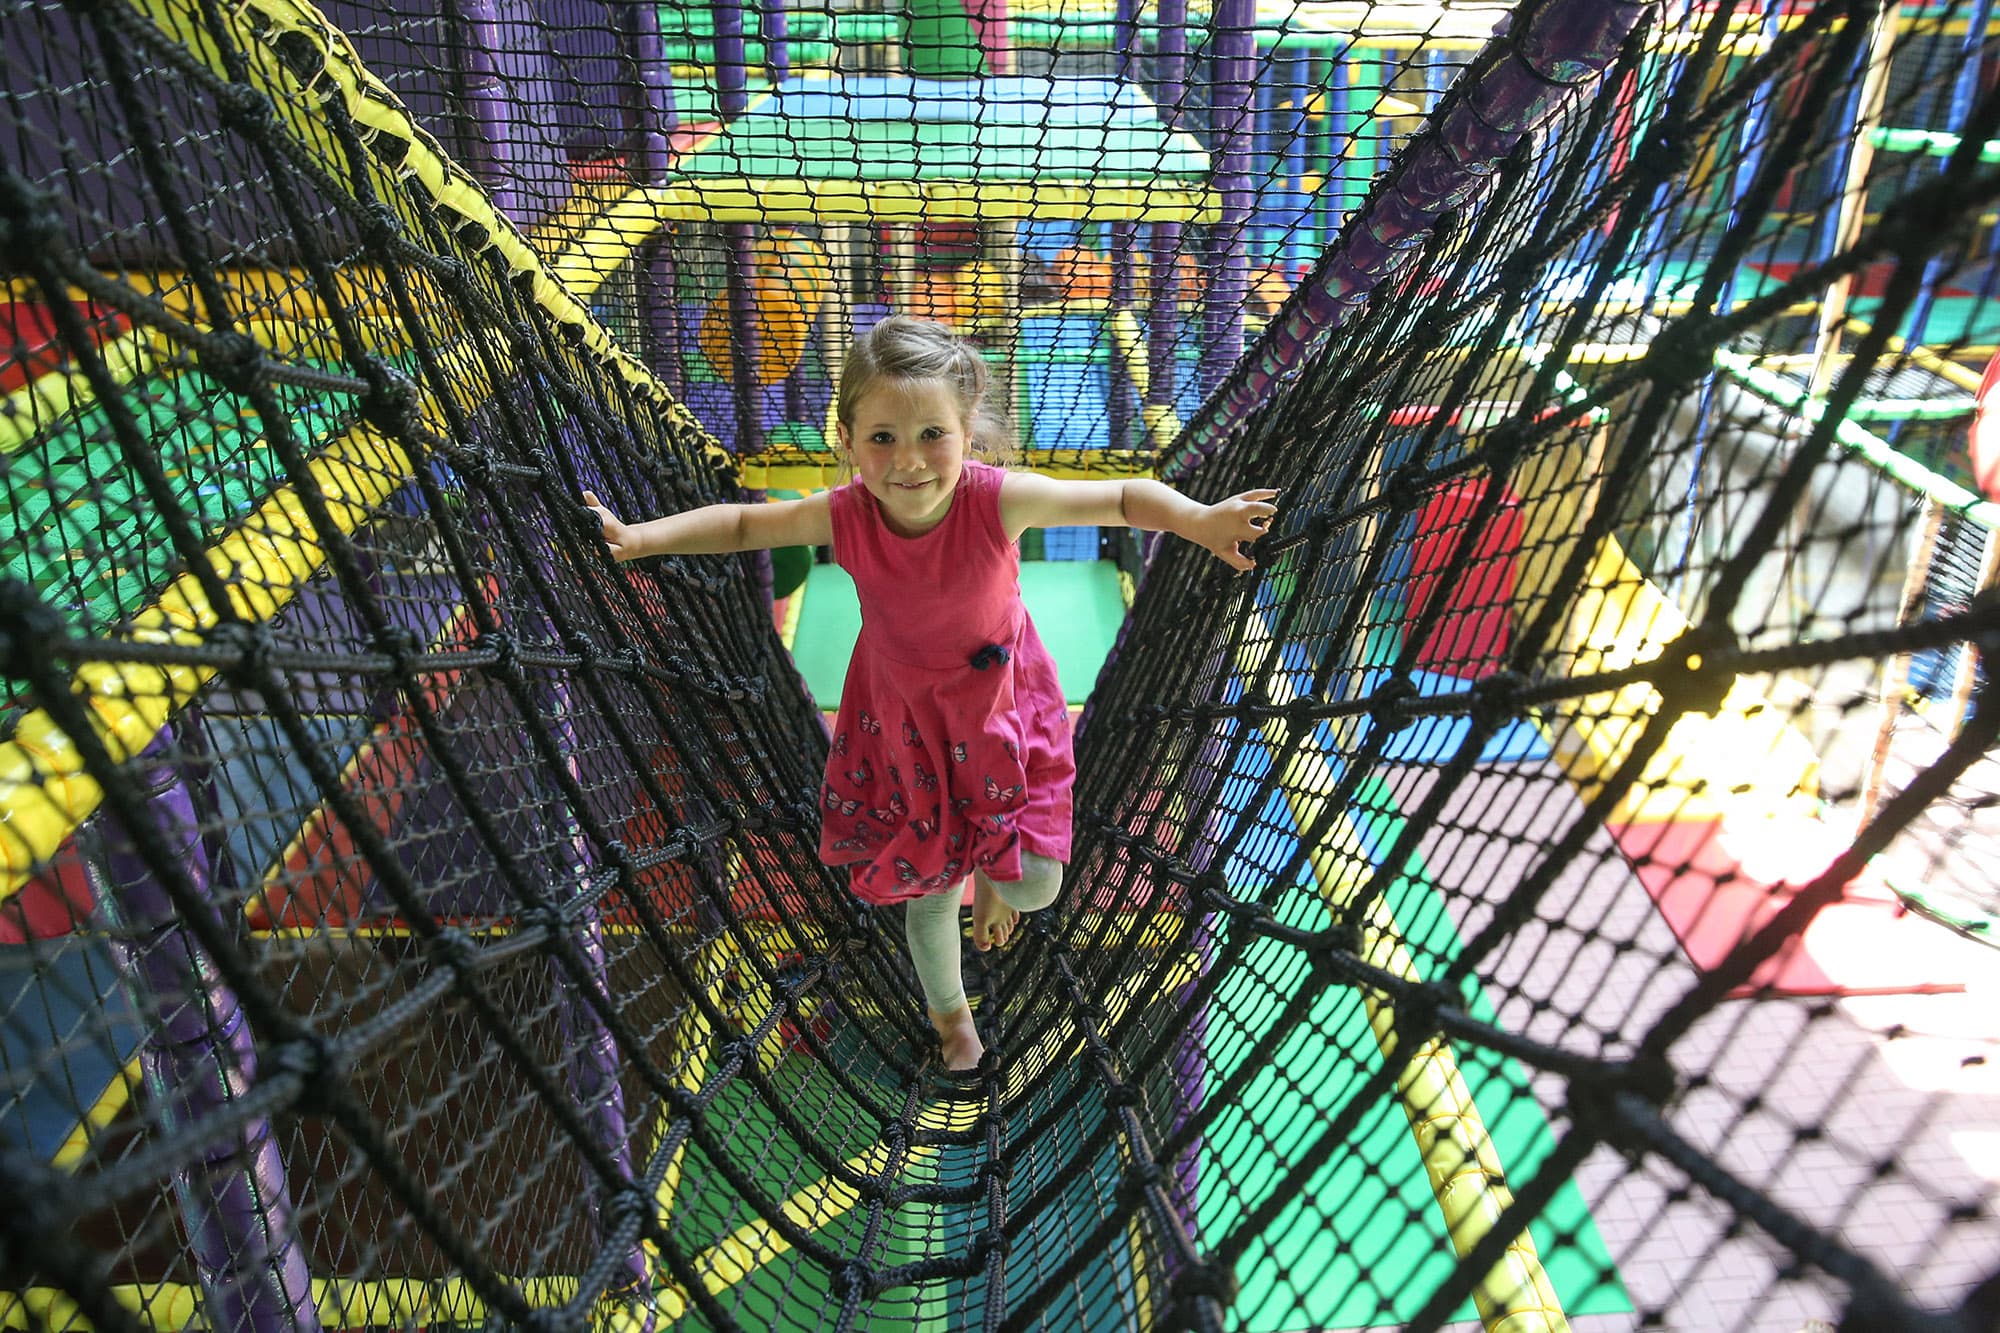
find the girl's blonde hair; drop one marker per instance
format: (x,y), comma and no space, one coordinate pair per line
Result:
(906,349)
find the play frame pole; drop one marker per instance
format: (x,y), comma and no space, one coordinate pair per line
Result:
(200,1055)
(1232,115)
(1163,295)
(732,100)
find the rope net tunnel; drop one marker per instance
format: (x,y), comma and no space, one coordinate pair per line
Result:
(1554,890)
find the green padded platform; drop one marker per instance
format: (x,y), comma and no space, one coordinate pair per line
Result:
(1074,603)
(899,129)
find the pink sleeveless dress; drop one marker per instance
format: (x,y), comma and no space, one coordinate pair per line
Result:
(952,750)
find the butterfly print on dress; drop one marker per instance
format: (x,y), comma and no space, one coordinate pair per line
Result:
(926,781)
(833,804)
(869,724)
(840,743)
(958,752)
(863,775)
(911,737)
(916,880)
(996,792)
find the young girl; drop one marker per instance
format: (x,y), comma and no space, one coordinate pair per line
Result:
(952,757)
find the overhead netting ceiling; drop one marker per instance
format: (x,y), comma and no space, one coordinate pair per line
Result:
(1555,890)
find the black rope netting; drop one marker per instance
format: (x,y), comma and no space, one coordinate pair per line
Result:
(1555,890)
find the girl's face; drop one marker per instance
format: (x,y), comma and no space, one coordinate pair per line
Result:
(907,443)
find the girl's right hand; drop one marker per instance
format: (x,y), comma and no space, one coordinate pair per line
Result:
(616,535)
(1239,519)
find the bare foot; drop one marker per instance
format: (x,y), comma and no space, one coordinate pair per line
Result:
(993,921)
(958,1038)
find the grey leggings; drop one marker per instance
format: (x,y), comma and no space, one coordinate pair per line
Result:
(931,923)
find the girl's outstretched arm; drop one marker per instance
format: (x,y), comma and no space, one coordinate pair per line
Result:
(717,529)
(1031,501)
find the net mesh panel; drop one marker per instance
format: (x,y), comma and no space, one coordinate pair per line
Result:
(412,920)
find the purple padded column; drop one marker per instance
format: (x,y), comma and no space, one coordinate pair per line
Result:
(1190,1062)
(1162,302)
(649,98)
(1233,115)
(1515,85)
(1123,236)
(593,1052)
(661,299)
(1190,1055)
(777,44)
(742,268)
(652,117)
(199,1056)
(732,91)
(489,105)
(732,100)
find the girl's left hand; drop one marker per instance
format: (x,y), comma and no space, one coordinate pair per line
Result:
(1240,518)
(617,534)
